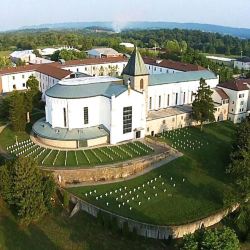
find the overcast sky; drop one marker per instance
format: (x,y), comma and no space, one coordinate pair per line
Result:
(17,13)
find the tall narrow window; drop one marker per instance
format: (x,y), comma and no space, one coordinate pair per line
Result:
(127,120)
(176,98)
(86,115)
(168,99)
(184,97)
(64,117)
(150,102)
(159,101)
(141,84)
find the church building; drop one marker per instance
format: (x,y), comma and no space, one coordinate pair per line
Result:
(90,111)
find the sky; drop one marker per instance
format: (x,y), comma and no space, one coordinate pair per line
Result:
(17,13)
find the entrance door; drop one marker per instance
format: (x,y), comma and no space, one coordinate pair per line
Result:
(138,134)
(152,133)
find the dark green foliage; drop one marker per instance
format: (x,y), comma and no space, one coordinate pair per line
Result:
(239,168)
(4,62)
(33,84)
(19,62)
(125,229)
(211,239)
(203,106)
(4,107)
(68,55)
(66,199)
(17,111)
(6,183)
(25,188)
(49,188)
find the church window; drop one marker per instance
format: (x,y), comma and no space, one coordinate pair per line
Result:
(168,100)
(184,97)
(127,120)
(86,115)
(176,98)
(64,117)
(150,102)
(159,101)
(141,84)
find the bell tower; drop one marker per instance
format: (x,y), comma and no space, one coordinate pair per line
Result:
(136,74)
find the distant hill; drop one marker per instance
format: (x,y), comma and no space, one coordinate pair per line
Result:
(238,32)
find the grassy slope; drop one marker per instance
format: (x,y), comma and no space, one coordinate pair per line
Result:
(57,231)
(200,195)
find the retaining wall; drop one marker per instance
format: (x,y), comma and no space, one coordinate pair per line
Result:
(155,231)
(109,172)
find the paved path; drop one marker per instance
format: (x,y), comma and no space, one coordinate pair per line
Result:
(146,170)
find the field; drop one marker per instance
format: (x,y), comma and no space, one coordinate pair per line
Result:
(57,231)
(79,158)
(184,190)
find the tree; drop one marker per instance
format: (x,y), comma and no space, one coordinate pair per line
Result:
(17,111)
(68,55)
(26,189)
(211,239)
(239,168)
(203,106)
(37,53)
(19,62)
(4,62)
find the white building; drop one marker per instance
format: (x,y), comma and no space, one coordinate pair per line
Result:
(128,45)
(103,53)
(238,93)
(222,60)
(90,111)
(24,55)
(242,63)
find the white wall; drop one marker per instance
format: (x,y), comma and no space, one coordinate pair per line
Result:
(172,89)
(152,69)
(237,106)
(242,65)
(17,79)
(98,109)
(134,99)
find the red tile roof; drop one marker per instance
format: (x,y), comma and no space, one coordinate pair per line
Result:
(54,72)
(237,85)
(172,64)
(221,93)
(18,69)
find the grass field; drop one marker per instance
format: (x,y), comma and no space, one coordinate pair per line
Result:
(58,232)
(76,158)
(184,190)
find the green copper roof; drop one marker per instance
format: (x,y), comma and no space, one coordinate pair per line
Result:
(136,65)
(106,89)
(158,79)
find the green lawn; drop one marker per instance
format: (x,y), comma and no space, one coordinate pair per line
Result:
(5,53)
(194,184)
(57,231)
(74,158)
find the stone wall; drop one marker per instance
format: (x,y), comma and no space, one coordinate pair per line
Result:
(155,231)
(109,172)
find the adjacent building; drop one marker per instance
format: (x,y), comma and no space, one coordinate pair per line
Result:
(103,53)
(242,63)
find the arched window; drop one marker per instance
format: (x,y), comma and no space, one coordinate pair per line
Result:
(141,84)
